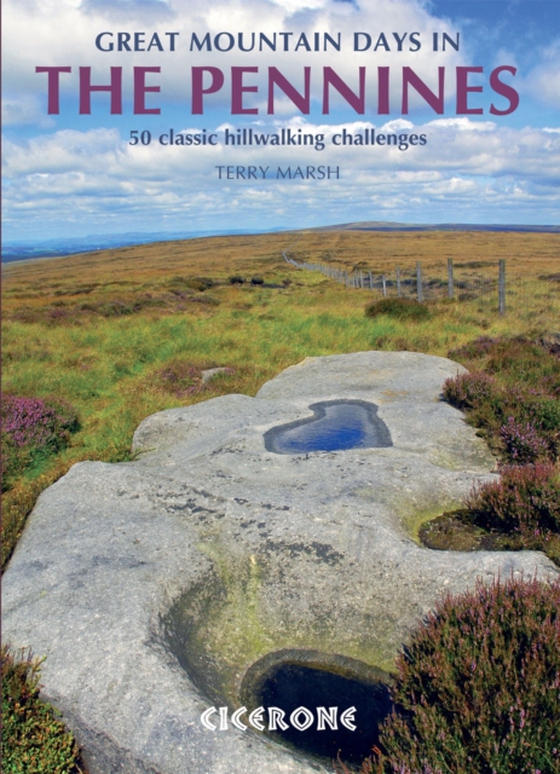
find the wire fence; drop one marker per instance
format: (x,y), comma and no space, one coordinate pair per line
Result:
(485,281)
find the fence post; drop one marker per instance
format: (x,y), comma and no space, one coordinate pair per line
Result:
(502,287)
(384,281)
(419,282)
(398,281)
(450,277)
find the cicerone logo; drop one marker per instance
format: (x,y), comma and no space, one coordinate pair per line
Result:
(276,719)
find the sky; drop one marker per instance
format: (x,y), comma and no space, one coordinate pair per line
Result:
(490,153)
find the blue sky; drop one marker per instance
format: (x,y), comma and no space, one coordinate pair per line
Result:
(71,174)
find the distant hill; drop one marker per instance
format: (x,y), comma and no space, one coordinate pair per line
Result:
(22,250)
(381,225)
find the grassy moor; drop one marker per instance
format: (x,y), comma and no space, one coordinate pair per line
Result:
(119,334)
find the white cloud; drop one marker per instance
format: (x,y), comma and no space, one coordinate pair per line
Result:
(482,174)
(464,124)
(543,82)
(22,110)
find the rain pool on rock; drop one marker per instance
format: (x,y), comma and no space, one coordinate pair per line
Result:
(335,425)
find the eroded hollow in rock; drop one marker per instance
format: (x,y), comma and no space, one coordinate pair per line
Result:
(291,680)
(335,426)
(185,629)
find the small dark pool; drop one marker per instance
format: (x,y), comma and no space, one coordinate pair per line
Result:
(290,686)
(336,425)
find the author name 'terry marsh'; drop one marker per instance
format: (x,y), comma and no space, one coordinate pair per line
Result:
(253,172)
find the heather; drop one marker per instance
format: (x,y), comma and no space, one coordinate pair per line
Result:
(478,685)
(34,740)
(33,429)
(399,308)
(522,425)
(524,503)
(512,394)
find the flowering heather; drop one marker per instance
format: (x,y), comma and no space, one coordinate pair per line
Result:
(525,500)
(525,362)
(180,378)
(31,428)
(478,348)
(35,422)
(478,687)
(471,390)
(517,360)
(522,442)
(515,401)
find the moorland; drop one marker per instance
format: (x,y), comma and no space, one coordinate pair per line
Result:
(94,343)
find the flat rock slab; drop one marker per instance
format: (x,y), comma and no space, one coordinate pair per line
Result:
(152,587)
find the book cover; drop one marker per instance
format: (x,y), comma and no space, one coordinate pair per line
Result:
(244,245)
